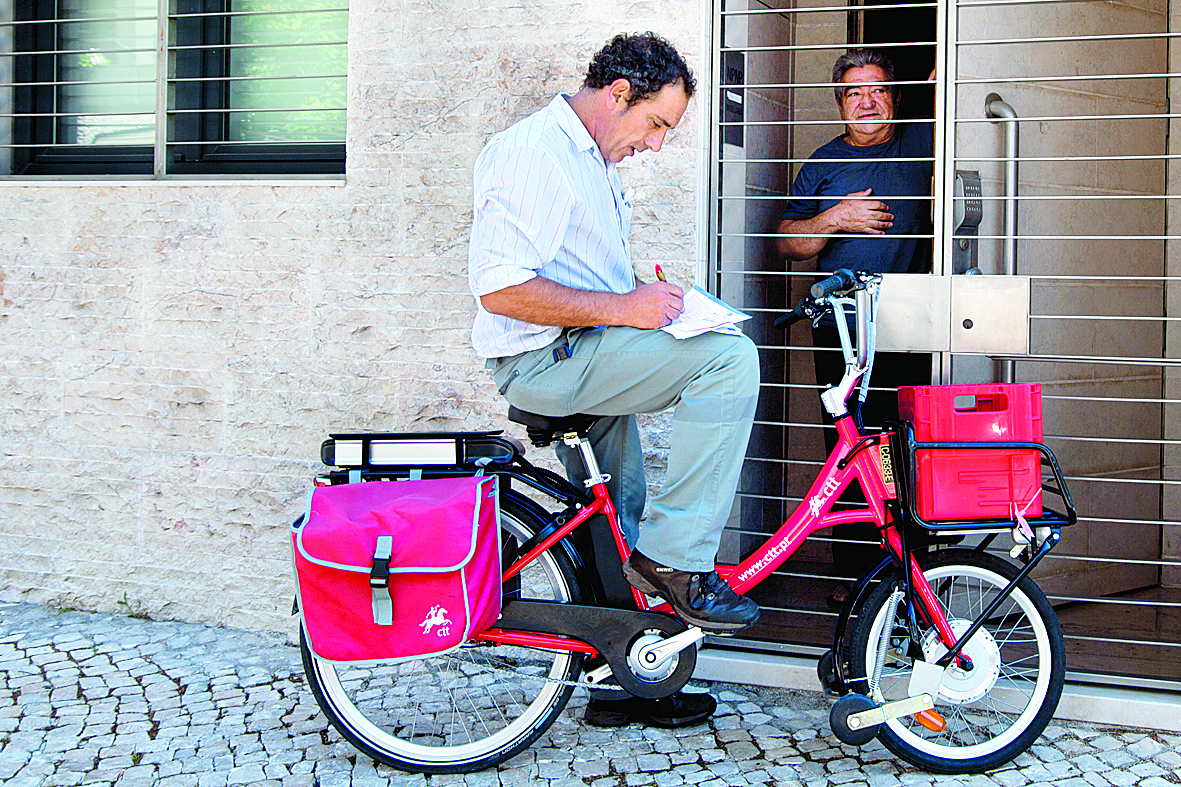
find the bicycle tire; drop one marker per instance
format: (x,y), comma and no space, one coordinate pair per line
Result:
(469,709)
(990,718)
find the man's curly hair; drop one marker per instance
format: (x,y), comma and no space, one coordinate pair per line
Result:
(645,60)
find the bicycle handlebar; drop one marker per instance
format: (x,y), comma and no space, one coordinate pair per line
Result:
(793,316)
(842,279)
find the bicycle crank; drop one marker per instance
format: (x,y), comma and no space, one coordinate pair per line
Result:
(654,657)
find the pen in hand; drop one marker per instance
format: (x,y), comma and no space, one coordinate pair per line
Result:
(660,274)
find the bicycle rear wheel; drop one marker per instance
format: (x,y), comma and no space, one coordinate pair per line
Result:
(472,708)
(993,712)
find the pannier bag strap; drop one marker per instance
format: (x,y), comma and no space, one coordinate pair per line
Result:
(379,582)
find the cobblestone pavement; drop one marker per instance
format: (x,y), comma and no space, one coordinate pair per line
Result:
(109,700)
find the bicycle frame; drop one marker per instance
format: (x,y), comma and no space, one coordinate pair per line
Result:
(644,649)
(865,458)
(870,459)
(856,456)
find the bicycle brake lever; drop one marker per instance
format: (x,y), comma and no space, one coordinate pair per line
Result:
(806,309)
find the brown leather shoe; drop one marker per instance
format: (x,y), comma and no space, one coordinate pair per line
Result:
(700,598)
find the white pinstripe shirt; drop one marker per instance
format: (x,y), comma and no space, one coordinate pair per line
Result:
(546,204)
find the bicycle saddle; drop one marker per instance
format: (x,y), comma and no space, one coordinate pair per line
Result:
(544,429)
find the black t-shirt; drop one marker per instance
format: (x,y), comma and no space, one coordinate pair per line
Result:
(876,167)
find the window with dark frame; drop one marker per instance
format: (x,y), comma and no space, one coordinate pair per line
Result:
(250,87)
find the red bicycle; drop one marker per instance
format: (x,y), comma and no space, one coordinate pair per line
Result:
(952,656)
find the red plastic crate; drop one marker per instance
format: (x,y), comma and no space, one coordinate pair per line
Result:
(976,483)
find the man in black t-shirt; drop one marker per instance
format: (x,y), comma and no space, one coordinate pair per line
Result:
(863,202)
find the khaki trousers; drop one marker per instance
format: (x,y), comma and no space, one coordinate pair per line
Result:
(711,381)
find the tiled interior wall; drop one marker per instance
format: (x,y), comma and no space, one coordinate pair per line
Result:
(1171,504)
(759,186)
(1123,438)
(6,8)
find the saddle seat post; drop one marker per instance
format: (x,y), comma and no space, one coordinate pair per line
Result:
(579,441)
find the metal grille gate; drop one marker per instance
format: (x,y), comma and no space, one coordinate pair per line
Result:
(1062,110)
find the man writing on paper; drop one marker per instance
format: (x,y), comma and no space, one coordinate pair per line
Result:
(567,328)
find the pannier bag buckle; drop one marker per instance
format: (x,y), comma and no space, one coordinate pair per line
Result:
(379,582)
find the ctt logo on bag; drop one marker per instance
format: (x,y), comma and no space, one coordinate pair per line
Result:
(436,617)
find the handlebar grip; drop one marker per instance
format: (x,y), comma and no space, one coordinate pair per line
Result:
(792,317)
(841,279)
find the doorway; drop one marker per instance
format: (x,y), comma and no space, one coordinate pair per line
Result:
(1094,236)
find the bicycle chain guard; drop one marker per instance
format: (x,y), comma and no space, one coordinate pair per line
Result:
(612,633)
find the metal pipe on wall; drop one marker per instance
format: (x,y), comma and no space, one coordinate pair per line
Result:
(996,108)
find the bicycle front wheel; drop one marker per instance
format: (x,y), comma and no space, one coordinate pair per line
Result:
(469,709)
(997,709)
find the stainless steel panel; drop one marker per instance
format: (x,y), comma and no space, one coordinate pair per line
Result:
(960,314)
(913,313)
(990,314)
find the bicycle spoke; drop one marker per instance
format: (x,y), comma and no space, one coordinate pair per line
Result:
(1008,668)
(997,700)
(511,696)
(449,688)
(414,724)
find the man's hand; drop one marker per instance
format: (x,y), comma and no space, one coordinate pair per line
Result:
(545,302)
(652,305)
(860,215)
(866,216)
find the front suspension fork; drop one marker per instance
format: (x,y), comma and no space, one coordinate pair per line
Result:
(927,604)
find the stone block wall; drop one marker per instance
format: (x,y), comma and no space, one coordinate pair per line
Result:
(173,353)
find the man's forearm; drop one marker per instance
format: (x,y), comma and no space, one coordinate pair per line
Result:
(815,231)
(544,302)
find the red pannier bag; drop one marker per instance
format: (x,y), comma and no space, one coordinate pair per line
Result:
(394,570)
